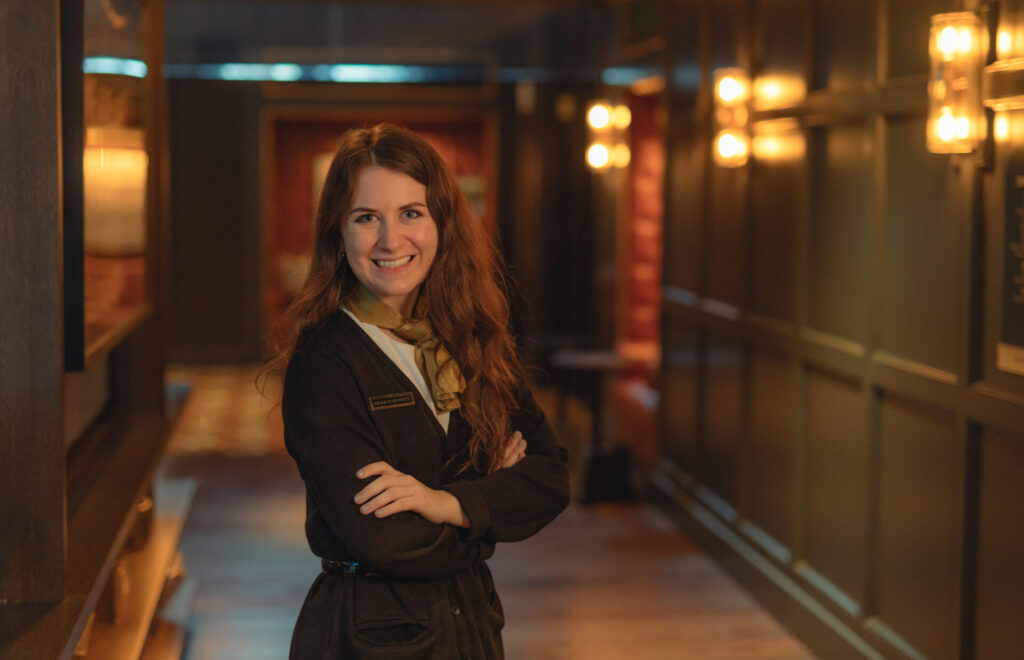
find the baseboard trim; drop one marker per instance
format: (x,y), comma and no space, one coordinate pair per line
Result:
(825,633)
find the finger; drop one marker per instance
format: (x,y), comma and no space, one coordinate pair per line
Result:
(383,499)
(379,467)
(513,452)
(509,458)
(401,504)
(380,484)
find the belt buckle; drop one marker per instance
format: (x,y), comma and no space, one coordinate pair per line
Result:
(337,567)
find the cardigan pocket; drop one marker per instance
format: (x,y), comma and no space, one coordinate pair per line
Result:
(391,615)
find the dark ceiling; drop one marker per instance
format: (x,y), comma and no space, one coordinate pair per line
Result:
(554,35)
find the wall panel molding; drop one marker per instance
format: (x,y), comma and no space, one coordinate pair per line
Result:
(880,388)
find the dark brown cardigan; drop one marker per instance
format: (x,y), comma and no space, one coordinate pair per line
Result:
(434,597)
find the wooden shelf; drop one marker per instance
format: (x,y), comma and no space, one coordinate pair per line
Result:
(97,347)
(146,572)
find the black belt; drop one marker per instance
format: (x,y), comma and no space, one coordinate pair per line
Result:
(344,567)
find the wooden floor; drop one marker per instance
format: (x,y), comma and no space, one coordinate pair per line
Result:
(601,582)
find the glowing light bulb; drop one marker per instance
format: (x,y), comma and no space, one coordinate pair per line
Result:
(597,156)
(947,41)
(728,146)
(964,40)
(963,128)
(599,116)
(729,89)
(1001,128)
(620,155)
(955,111)
(1004,43)
(621,116)
(947,125)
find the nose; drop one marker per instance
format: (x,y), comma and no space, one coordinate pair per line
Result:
(389,237)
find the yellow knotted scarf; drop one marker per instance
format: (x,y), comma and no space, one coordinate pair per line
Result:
(445,382)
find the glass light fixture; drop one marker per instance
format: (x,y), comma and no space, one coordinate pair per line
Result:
(777,90)
(621,117)
(620,155)
(598,156)
(608,125)
(732,148)
(599,115)
(732,87)
(956,119)
(778,140)
(731,97)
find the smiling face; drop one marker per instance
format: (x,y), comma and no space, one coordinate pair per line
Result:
(390,239)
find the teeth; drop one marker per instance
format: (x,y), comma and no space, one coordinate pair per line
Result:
(393,264)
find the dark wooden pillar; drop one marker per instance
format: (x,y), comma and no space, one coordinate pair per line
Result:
(31,331)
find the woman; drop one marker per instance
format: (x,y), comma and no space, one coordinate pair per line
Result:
(406,411)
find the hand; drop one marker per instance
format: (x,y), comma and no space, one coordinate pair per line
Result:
(516,450)
(393,491)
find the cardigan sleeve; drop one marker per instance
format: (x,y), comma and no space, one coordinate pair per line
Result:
(330,436)
(514,503)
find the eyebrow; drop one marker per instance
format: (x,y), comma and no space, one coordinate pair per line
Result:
(363,209)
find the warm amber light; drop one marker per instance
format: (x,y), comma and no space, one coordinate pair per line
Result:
(1001,128)
(620,155)
(598,116)
(778,140)
(731,148)
(947,42)
(955,114)
(778,90)
(732,87)
(729,89)
(963,128)
(621,116)
(947,125)
(115,199)
(598,156)
(1004,43)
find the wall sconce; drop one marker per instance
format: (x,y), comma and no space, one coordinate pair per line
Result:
(956,118)
(773,90)
(608,124)
(732,141)
(778,140)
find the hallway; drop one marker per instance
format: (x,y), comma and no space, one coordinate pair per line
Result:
(607,581)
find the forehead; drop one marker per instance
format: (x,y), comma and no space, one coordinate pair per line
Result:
(379,186)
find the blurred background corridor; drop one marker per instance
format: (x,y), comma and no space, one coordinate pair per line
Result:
(766,260)
(611,580)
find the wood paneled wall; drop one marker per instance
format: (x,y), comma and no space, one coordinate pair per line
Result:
(832,419)
(31,332)
(215,222)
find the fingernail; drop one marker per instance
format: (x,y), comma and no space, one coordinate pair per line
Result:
(357,499)
(364,508)
(359,474)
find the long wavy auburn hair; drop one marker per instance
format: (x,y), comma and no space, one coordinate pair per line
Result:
(462,296)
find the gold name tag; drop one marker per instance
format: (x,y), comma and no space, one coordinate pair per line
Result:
(385,401)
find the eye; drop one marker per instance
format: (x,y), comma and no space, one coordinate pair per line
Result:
(364,218)
(409,214)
